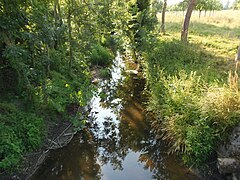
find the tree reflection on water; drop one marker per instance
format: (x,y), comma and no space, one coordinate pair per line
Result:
(118,126)
(131,132)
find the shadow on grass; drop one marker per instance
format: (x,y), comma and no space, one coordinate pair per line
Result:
(174,56)
(203,29)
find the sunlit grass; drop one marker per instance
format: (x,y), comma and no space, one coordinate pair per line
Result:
(217,34)
(195,98)
(227,18)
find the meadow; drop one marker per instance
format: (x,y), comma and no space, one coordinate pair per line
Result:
(218,33)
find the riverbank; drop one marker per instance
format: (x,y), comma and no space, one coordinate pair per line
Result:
(59,134)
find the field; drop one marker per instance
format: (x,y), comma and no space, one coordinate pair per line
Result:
(218,33)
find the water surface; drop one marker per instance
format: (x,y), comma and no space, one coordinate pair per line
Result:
(117,143)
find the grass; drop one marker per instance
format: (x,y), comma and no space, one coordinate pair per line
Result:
(195,98)
(218,33)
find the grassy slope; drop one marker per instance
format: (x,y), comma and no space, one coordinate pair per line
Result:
(195,115)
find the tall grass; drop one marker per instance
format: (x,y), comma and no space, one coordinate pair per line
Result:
(192,115)
(193,93)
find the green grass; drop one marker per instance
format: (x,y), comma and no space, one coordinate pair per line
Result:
(218,33)
(194,97)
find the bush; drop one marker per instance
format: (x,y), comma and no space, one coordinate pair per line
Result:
(104,73)
(20,132)
(58,91)
(100,56)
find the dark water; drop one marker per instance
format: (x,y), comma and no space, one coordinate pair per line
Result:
(117,143)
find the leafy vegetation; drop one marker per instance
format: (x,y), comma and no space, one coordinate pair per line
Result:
(100,56)
(46,50)
(20,132)
(48,47)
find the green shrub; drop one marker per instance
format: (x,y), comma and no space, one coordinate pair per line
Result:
(58,91)
(100,55)
(104,73)
(20,133)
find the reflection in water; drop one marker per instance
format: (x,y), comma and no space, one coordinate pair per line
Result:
(117,143)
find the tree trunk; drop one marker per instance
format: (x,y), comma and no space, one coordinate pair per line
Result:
(56,22)
(237,58)
(70,36)
(184,34)
(55,12)
(200,14)
(163,16)
(59,13)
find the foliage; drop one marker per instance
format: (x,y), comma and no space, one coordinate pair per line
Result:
(142,20)
(100,55)
(21,132)
(202,5)
(236,4)
(209,5)
(44,64)
(105,73)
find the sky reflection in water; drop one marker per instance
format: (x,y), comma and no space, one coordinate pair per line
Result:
(117,143)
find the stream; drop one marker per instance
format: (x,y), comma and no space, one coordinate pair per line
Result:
(116,143)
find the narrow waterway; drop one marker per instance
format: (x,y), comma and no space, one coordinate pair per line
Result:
(117,143)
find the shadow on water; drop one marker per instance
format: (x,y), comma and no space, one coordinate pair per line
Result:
(117,142)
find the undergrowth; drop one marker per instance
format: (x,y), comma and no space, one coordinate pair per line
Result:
(20,132)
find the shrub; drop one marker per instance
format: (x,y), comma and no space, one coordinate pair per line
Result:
(20,132)
(100,55)
(58,91)
(104,73)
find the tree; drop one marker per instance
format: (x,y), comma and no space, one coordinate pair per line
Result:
(143,20)
(201,5)
(227,4)
(183,5)
(236,4)
(214,5)
(184,34)
(163,16)
(69,21)
(157,5)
